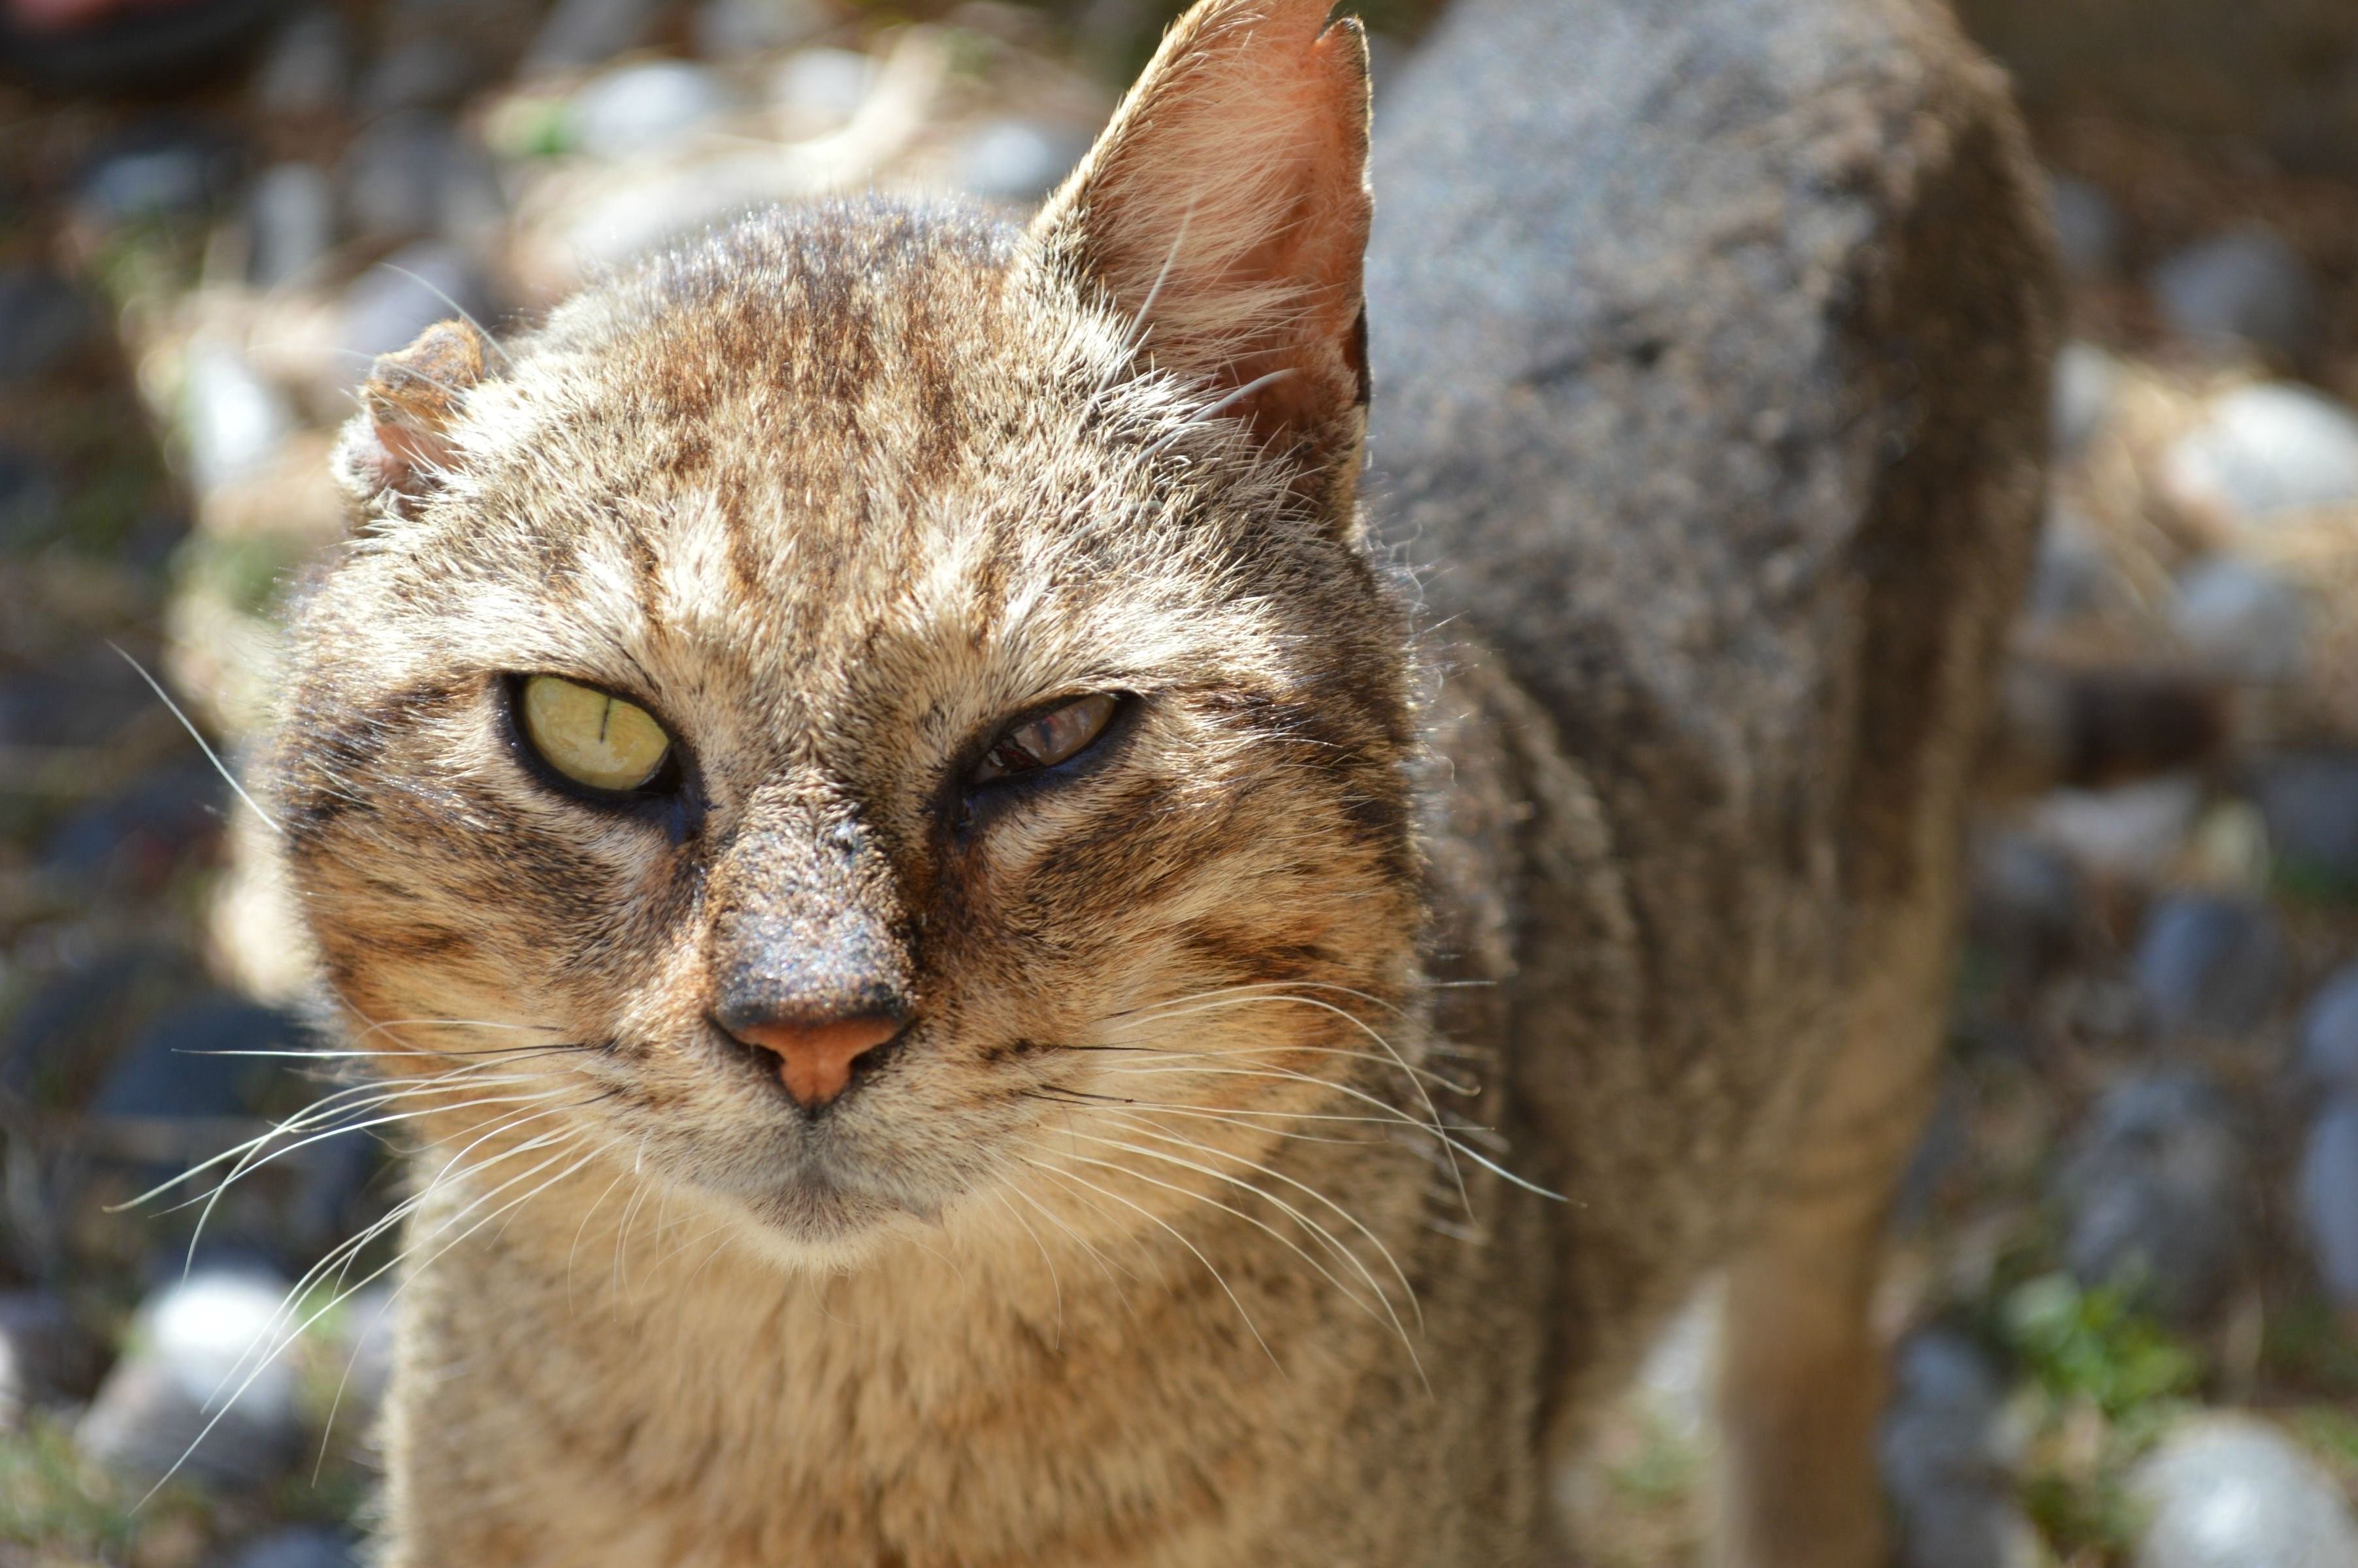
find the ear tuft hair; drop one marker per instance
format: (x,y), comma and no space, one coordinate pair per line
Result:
(397,448)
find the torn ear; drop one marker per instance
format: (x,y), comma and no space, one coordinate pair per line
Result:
(1224,210)
(398,447)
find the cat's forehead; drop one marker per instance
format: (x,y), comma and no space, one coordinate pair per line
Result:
(811,464)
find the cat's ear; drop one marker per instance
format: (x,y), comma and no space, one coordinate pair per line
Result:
(397,448)
(1224,210)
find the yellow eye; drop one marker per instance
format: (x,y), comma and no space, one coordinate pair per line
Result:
(589,737)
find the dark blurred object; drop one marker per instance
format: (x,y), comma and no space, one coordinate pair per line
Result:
(134,47)
(2101,725)
(2282,72)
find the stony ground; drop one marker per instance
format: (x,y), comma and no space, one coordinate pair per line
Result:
(2127,1278)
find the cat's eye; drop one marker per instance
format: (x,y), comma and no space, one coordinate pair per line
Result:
(1046,739)
(589,736)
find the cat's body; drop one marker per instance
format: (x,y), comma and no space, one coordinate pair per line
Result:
(1163,1229)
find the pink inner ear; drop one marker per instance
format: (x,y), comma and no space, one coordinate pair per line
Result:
(1230,192)
(412,450)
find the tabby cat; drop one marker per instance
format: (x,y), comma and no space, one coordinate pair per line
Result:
(977,979)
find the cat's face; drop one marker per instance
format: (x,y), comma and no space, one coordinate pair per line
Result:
(836,702)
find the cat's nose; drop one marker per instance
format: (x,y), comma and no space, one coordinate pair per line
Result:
(815,1056)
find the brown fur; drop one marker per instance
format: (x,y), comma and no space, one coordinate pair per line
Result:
(1177,1229)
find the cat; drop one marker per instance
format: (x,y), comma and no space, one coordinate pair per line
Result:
(977,979)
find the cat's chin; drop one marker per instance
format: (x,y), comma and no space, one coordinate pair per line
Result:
(812,1222)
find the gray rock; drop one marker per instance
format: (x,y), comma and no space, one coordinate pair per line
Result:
(2088,227)
(2309,802)
(182,1067)
(46,1357)
(163,176)
(43,320)
(728,30)
(2328,1035)
(291,221)
(412,175)
(1016,160)
(2087,390)
(823,86)
(387,305)
(2231,1492)
(434,73)
(1947,1458)
(2155,1192)
(32,501)
(641,107)
(296,1546)
(2071,577)
(2132,830)
(579,33)
(232,421)
(126,842)
(2207,964)
(2027,902)
(2267,449)
(194,1344)
(2247,286)
(2241,620)
(2329,1196)
(308,67)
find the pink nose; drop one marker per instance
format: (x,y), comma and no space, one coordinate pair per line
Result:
(814,1059)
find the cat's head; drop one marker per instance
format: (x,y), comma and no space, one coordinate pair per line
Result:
(835,702)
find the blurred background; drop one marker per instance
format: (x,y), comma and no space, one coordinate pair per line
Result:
(2127,1277)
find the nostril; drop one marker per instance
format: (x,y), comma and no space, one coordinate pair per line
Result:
(815,1057)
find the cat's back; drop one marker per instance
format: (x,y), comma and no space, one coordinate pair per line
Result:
(1665,303)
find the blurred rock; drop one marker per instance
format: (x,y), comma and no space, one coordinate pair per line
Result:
(2207,964)
(641,107)
(2329,1198)
(194,1344)
(387,305)
(2071,578)
(44,320)
(2027,902)
(2231,1492)
(2328,1035)
(2247,286)
(732,30)
(130,841)
(1016,160)
(412,175)
(365,1349)
(291,218)
(1946,1460)
(822,88)
(296,1546)
(2087,390)
(184,1066)
(2088,227)
(2265,449)
(579,33)
(2240,619)
(1677,1383)
(2154,1191)
(309,66)
(424,73)
(163,170)
(46,1357)
(83,699)
(32,504)
(2309,801)
(232,421)
(2132,832)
